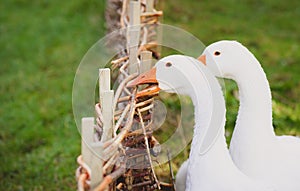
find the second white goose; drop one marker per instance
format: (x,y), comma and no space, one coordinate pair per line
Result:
(254,147)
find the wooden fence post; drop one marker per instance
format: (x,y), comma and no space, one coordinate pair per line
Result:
(146,61)
(104,82)
(149,5)
(106,102)
(107,112)
(133,34)
(89,157)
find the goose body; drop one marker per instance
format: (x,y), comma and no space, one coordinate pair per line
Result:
(210,167)
(181,175)
(254,147)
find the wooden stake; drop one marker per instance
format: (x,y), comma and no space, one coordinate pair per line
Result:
(149,5)
(146,64)
(133,34)
(107,111)
(134,13)
(106,102)
(104,82)
(89,157)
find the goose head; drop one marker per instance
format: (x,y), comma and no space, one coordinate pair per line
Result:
(171,74)
(187,76)
(227,59)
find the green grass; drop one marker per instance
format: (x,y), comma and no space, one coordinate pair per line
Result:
(269,29)
(42,43)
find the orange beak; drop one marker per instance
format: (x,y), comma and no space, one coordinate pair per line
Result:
(202,59)
(146,78)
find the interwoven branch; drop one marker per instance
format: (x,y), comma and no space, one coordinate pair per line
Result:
(128,164)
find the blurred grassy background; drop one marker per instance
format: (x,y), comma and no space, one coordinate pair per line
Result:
(42,43)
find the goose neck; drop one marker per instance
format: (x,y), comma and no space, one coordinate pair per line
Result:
(255,101)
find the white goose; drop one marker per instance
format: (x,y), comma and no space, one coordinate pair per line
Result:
(210,167)
(254,147)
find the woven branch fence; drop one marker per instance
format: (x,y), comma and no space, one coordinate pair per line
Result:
(122,131)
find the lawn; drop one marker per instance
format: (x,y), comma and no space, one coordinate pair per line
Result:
(42,43)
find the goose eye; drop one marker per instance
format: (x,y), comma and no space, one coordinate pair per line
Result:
(168,64)
(217,53)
